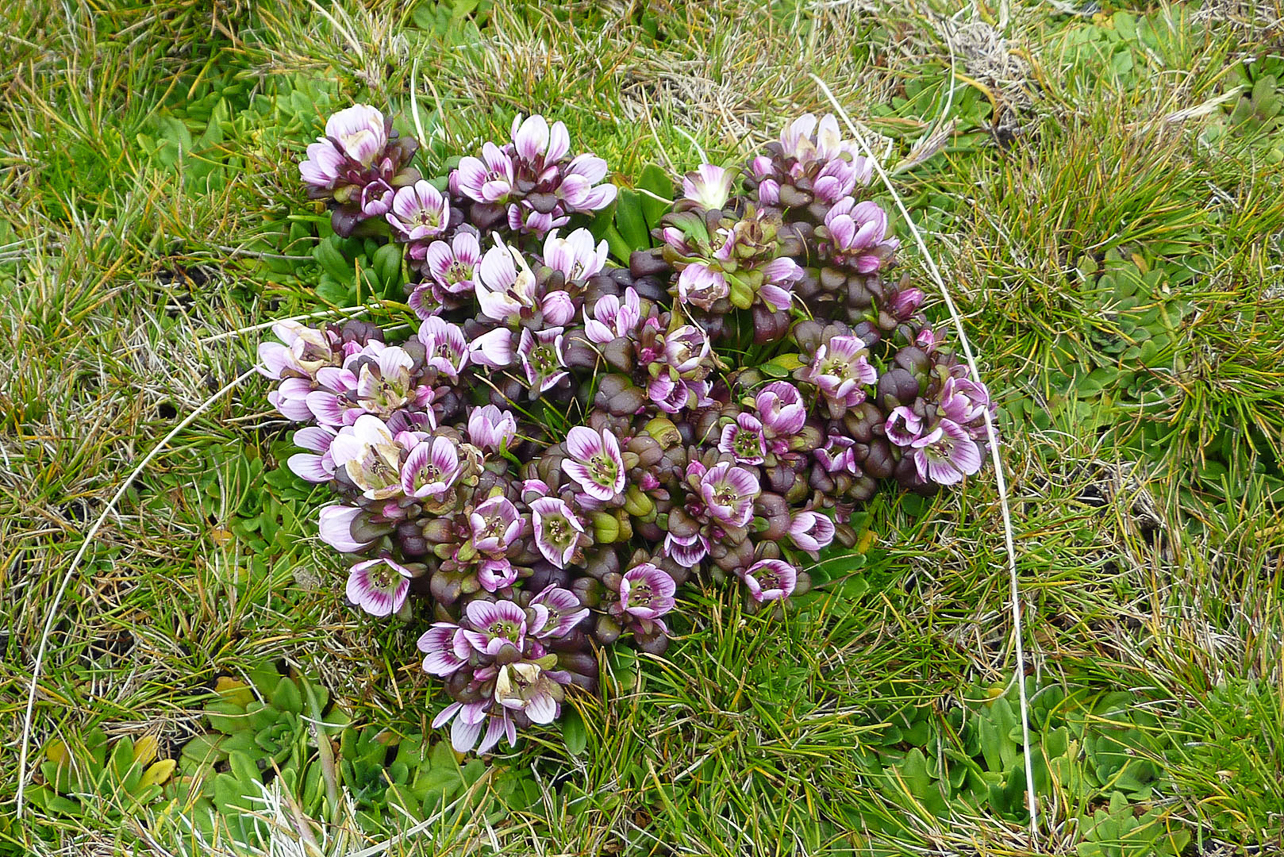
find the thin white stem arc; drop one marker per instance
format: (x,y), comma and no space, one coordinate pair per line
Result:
(75,563)
(991,436)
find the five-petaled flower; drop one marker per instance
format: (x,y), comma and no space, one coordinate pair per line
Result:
(728,492)
(770,580)
(379,586)
(557,530)
(595,463)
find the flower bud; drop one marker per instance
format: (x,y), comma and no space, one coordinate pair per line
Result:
(646,263)
(606,528)
(619,354)
(638,504)
(897,387)
(606,630)
(663,431)
(879,463)
(602,562)
(646,448)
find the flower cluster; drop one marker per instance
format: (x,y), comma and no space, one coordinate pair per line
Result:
(562,443)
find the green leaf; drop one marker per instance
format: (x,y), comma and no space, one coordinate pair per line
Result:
(387,265)
(631,222)
(286,696)
(657,183)
(620,248)
(260,717)
(332,261)
(243,768)
(574,732)
(226,717)
(914,771)
(50,801)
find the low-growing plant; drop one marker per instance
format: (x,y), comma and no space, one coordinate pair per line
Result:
(563,443)
(1100,754)
(88,773)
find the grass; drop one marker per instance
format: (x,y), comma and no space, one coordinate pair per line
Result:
(1110,231)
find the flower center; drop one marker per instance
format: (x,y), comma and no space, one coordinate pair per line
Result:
(604,470)
(387,397)
(544,359)
(944,446)
(381,577)
(746,444)
(640,594)
(379,470)
(458,271)
(840,369)
(505,629)
(427,217)
(559,531)
(725,495)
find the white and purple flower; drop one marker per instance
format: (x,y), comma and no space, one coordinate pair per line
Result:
(946,454)
(556,611)
(770,580)
(491,429)
(488,180)
(527,687)
(495,625)
(575,256)
(495,574)
(537,143)
(728,493)
(744,440)
(841,370)
(371,457)
(686,551)
(496,524)
(446,648)
(811,531)
(301,353)
(336,528)
(381,384)
(469,719)
(782,411)
(316,465)
(359,133)
(858,231)
(580,190)
(613,319)
(669,394)
(595,462)
(686,349)
(837,455)
(701,286)
(557,530)
(379,586)
(708,186)
(904,426)
(493,350)
(445,348)
(964,401)
(646,592)
(453,266)
(505,284)
(419,212)
(431,468)
(540,355)
(778,278)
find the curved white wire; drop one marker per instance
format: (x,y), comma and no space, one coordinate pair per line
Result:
(75,562)
(991,436)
